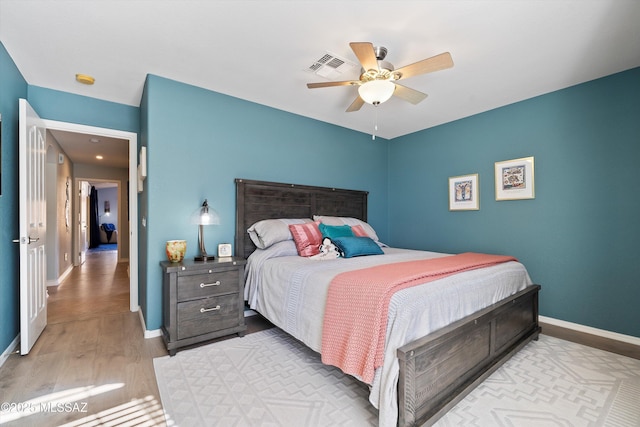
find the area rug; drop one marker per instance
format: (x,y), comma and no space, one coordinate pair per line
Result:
(105,247)
(270,379)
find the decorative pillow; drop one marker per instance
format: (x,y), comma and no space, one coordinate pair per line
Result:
(358,231)
(343,220)
(357,246)
(333,231)
(269,231)
(308,238)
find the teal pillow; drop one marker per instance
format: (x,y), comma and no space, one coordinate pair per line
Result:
(357,246)
(333,231)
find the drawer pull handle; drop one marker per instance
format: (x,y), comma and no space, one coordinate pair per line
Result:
(204,310)
(204,285)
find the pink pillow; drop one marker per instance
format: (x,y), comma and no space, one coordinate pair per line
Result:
(307,237)
(358,231)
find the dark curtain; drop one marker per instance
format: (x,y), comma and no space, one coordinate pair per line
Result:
(94,219)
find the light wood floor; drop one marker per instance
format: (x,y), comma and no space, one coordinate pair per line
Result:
(93,359)
(92,356)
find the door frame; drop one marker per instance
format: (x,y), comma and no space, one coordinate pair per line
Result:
(78,257)
(132,137)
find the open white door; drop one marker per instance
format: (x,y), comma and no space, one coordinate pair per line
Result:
(33,263)
(83,237)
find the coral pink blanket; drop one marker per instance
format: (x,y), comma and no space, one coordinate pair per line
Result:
(355,320)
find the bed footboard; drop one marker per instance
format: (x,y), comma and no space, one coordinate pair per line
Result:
(439,370)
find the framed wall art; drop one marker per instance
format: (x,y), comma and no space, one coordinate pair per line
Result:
(464,193)
(67,204)
(515,179)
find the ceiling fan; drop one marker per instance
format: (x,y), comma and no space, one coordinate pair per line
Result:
(379,80)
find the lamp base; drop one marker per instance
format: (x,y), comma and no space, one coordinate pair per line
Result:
(204,258)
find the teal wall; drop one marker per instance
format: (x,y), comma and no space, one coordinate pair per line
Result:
(579,236)
(143,208)
(12,87)
(66,107)
(200,141)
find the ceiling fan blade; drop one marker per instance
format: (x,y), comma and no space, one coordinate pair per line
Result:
(366,55)
(408,94)
(435,63)
(330,84)
(355,105)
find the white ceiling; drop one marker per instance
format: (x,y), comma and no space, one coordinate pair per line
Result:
(81,148)
(504,51)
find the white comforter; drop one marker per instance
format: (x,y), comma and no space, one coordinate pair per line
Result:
(290,291)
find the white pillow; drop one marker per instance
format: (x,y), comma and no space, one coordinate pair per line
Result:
(270,231)
(343,220)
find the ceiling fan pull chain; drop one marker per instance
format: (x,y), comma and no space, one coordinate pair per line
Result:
(375,123)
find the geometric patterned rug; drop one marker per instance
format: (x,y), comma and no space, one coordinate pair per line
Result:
(553,382)
(268,378)
(264,378)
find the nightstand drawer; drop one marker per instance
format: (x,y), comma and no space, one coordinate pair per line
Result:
(207,284)
(207,315)
(201,301)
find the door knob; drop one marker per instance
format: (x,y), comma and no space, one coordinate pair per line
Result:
(26,240)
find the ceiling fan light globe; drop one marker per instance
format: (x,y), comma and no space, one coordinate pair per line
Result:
(376,92)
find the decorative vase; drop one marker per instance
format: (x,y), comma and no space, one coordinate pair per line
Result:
(176,250)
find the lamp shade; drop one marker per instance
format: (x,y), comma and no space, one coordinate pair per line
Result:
(376,91)
(205,215)
(202,216)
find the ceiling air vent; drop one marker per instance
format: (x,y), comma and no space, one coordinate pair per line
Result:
(331,66)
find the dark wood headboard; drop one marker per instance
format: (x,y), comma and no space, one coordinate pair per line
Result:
(257,200)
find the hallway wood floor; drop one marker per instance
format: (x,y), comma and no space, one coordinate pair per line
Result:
(91,366)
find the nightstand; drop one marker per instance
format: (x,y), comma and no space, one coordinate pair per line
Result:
(202,301)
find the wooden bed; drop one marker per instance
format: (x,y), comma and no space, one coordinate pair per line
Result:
(438,370)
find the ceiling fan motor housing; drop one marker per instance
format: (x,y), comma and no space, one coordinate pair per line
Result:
(384,72)
(381,52)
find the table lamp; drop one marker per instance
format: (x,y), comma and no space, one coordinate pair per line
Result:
(202,216)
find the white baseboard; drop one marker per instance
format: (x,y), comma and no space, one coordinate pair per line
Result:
(589,330)
(9,350)
(148,334)
(56,282)
(152,334)
(65,274)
